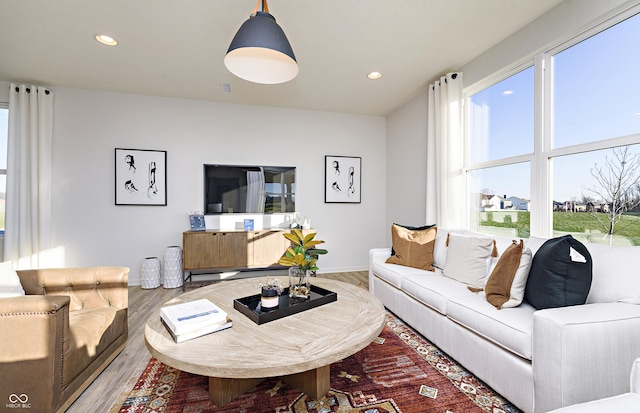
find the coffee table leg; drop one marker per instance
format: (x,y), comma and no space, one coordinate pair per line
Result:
(223,391)
(315,383)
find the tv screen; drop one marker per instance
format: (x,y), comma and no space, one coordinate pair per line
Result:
(249,189)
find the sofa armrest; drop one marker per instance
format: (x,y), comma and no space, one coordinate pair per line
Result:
(583,353)
(376,255)
(34,330)
(90,287)
(635,376)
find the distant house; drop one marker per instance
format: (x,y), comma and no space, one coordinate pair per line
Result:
(519,204)
(597,207)
(494,202)
(573,206)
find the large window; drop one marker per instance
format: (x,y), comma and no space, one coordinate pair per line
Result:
(501,138)
(560,135)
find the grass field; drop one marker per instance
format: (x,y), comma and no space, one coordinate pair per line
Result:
(580,224)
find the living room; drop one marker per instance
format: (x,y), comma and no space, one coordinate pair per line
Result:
(88,229)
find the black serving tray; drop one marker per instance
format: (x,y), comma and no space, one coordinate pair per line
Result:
(250,306)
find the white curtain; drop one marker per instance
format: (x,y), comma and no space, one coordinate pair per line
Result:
(255,191)
(28,202)
(445,156)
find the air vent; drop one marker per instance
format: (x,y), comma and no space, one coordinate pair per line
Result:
(226,87)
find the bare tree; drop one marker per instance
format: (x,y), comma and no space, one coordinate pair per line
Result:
(617,185)
(487,191)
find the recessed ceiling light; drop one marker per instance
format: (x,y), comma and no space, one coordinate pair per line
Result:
(507,92)
(374,75)
(104,39)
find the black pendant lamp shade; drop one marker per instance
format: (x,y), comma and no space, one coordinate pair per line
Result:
(260,51)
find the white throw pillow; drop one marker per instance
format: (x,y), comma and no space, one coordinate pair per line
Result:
(468,259)
(9,281)
(615,274)
(516,294)
(440,247)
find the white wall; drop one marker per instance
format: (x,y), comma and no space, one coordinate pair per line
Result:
(89,229)
(557,24)
(407,126)
(406,164)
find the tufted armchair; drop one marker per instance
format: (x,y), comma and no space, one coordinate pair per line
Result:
(60,336)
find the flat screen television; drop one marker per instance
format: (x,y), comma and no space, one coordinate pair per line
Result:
(249,189)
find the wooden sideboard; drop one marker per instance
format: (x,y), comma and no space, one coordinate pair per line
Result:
(211,249)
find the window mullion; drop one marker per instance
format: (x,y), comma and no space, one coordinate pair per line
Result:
(541,166)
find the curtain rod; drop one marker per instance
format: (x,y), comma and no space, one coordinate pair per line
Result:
(46,91)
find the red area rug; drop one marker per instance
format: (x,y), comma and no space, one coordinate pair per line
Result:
(400,372)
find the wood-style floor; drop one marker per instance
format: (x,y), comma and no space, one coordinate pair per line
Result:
(129,364)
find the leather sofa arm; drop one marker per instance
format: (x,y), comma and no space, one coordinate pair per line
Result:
(34,330)
(90,287)
(31,304)
(584,352)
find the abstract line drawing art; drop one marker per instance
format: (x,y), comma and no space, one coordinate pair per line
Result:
(342,179)
(140,177)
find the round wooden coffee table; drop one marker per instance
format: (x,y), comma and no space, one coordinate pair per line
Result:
(298,348)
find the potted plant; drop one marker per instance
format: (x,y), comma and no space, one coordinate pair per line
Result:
(270,294)
(301,257)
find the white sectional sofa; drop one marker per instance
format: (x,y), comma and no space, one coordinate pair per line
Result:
(539,360)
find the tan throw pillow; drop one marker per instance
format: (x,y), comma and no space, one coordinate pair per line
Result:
(468,259)
(413,248)
(506,284)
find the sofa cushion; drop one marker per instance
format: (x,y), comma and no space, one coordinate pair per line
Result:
(509,328)
(413,248)
(394,274)
(468,258)
(433,291)
(92,332)
(616,277)
(560,274)
(10,285)
(506,283)
(627,402)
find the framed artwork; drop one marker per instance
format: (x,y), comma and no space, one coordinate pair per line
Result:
(342,179)
(141,177)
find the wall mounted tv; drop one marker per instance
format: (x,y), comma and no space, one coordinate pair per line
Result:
(249,189)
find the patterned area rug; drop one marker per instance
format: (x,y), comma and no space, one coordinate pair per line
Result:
(400,372)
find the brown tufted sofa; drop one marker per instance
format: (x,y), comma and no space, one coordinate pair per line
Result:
(59,337)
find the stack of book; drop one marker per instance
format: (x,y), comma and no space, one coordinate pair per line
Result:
(192,319)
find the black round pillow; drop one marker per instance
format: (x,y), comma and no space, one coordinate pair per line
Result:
(559,277)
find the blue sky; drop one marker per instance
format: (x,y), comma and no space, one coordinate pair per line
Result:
(596,97)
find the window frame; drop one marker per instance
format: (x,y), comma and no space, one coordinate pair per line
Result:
(4,105)
(541,159)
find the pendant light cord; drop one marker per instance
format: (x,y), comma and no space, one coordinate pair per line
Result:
(265,7)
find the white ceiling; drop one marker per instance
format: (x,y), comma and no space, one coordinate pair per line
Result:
(175,48)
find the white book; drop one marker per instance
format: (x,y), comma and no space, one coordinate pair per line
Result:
(191,316)
(227,323)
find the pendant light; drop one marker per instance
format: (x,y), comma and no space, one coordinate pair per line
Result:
(260,51)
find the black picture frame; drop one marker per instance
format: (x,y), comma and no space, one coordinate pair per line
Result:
(342,179)
(140,177)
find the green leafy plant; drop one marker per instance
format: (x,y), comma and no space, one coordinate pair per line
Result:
(303,253)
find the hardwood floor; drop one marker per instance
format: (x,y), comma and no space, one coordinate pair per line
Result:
(131,362)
